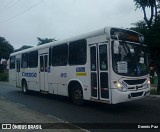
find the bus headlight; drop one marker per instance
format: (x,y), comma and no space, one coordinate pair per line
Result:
(120,86)
(148,83)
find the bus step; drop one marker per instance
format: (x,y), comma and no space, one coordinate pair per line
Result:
(44,92)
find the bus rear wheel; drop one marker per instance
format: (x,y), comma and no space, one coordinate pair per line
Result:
(77,95)
(25,87)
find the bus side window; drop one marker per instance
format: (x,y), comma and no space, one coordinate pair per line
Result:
(24,63)
(12,62)
(103,57)
(93,59)
(18,65)
(33,59)
(41,64)
(50,56)
(60,55)
(78,52)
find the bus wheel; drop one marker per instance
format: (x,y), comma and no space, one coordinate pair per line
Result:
(77,95)
(24,87)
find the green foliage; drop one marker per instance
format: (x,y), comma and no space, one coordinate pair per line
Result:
(2,67)
(153,5)
(150,28)
(150,32)
(5,48)
(42,41)
(23,48)
(152,39)
(144,3)
(3,76)
(152,35)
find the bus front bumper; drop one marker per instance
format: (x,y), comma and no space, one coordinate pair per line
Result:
(118,96)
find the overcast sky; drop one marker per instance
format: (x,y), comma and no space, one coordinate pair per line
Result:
(21,21)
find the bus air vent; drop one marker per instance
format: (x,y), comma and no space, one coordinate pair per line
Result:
(134,82)
(136,94)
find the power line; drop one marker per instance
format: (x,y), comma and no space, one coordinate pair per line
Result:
(21,13)
(6,5)
(10,5)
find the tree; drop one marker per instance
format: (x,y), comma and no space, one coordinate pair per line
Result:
(23,48)
(5,49)
(150,28)
(153,6)
(45,40)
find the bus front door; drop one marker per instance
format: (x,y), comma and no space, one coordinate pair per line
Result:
(99,71)
(43,72)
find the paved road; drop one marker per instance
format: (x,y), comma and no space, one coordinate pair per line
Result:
(142,111)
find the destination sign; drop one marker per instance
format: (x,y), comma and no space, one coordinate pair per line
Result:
(127,35)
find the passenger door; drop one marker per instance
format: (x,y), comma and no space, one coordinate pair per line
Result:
(99,71)
(43,72)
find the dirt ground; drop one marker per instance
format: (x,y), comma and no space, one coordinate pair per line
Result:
(11,112)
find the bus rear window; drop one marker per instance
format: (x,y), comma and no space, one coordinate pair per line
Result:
(12,62)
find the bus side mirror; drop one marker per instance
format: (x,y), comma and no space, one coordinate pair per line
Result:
(116,47)
(141,39)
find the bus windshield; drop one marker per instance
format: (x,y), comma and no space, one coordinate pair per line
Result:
(129,59)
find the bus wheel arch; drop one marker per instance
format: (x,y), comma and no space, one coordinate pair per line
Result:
(75,92)
(24,86)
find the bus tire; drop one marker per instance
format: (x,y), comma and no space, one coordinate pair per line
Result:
(77,95)
(25,87)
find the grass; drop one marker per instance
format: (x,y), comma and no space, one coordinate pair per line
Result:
(4,76)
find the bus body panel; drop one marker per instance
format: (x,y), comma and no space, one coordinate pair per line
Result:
(31,76)
(58,78)
(12,78)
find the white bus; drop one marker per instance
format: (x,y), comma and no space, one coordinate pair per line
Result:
(109,65)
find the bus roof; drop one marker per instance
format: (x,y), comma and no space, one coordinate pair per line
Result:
(105,30)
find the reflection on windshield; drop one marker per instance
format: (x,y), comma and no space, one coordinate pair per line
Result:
(129,59)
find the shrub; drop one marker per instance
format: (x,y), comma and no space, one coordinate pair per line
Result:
(154,92)
(3,76)
(2,67)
